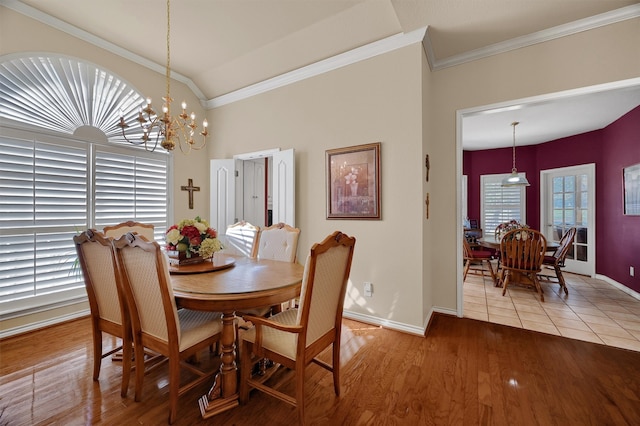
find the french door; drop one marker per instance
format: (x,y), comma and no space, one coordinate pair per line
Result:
(567,200)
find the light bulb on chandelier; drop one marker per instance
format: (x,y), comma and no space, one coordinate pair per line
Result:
(178,131)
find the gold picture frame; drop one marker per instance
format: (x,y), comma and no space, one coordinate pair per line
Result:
(353,182)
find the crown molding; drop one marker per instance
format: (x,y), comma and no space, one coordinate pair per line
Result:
(58,24)
(353,56)
(590,23)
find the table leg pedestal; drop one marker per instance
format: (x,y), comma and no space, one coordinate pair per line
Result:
(223,395)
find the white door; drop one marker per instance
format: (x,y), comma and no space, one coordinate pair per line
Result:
(567,200)
(284,187)
(222,208)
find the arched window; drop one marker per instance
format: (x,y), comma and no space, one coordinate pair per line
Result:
(63,94)
(59,175)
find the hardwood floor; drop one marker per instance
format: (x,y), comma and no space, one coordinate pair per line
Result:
(465,372)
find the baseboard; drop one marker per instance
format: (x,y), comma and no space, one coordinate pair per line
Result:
(392,325)
(42,324)
(619,286)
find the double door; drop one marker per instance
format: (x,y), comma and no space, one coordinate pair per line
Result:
(236,195)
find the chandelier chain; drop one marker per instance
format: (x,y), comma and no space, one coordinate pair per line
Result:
(161,127)
(514,124)
(168,71)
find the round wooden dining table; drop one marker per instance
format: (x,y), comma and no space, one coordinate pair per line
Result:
(234,284)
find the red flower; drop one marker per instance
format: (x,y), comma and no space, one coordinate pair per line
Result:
(190,232)
(195,241)
(212,233)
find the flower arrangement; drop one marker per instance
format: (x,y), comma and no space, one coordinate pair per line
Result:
(193,237)
(505,227)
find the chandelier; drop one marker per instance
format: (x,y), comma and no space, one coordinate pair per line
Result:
(514,179)
(172,131)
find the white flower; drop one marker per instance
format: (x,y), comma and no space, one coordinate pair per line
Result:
(202,227)
(209,246)
(174,236)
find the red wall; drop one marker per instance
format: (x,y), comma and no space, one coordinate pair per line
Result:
(618,234)
(612,148)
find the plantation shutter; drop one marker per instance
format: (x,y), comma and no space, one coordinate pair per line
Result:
(43,202)
(500,204)
(131,187)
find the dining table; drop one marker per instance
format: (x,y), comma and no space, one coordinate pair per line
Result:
(231,284)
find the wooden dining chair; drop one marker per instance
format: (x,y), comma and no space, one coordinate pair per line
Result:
(295,337)
(521,253)
(556,260)
(474,257)
(241,238)
(118,230)
(156,322)
(108,309)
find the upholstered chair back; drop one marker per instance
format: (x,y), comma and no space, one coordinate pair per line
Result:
(146,284)
(278,242)
(98,267)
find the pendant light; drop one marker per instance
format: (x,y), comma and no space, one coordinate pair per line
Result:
(513,179)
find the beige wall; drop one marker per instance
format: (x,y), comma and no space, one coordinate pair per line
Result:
(394,99)
(377,100)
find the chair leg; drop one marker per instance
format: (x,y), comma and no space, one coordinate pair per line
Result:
(138,349)
(493,275)
(536,281)
(467,264)
(97,353)
(300,391)
(505,275)
(174,386)
(335,367)
(126,367)
(245,372)
(563,285)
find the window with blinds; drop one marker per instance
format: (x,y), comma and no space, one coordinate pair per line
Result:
(48,195)
(500,204)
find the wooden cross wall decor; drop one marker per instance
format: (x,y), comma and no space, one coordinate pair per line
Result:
(189,187)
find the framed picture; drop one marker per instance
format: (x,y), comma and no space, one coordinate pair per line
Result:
(353,182)
(631,177)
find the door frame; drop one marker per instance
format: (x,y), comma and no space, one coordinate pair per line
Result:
(226,187)
(510,105)
(545,176)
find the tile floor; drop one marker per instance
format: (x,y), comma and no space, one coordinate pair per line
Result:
(594,310)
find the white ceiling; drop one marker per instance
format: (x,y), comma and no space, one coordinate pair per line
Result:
(224,46)
(552,117)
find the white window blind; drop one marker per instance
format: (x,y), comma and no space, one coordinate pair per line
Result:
(53,188)
(500,204)
(43,201)
(131,187)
